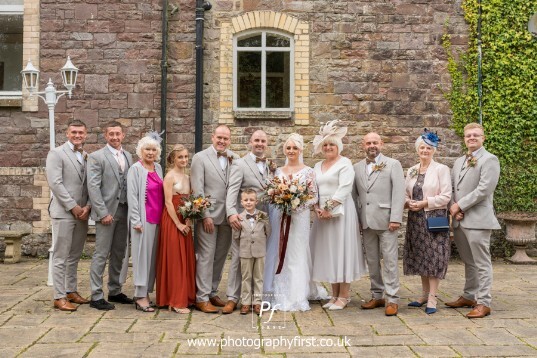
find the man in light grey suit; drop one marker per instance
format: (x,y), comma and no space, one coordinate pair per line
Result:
(379,190)
(69,212)
(250,171)
(209,177)
(107,187)
(474,177)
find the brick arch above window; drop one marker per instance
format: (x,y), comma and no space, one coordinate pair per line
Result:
(267,20)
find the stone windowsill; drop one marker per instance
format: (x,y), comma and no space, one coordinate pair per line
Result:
(266,115)
(10,101)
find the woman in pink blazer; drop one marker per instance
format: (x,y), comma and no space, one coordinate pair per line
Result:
(428,192)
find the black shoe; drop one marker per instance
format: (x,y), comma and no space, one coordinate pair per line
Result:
(120,298)
(102,305)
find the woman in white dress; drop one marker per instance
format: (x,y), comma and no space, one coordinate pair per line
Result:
(337,254)
(292,286)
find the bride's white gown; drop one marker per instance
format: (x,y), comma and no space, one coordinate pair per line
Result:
(293,286)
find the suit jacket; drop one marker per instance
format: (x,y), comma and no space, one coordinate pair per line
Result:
(253,240)
(473,190)
(67,180)
(436,185)
(208,178)
(104,182)
(245,174)
(380,196)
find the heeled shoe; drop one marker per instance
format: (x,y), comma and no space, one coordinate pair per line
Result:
(330,303)
(139,307)
(179,310)
(431,304)
(336,307)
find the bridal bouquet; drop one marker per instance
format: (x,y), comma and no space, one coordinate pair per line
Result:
(193,207)
(287,194)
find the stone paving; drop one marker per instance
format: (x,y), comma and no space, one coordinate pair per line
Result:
(30,327)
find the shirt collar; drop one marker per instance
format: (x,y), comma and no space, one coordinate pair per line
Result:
(71,145)
(377,158)
(114,150)
(474,153)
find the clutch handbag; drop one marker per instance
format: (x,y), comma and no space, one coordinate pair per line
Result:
(335,212)
(438,224)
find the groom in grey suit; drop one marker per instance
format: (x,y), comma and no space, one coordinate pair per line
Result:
(250,171)
(475,177)
(379,191)
(69,212)
(210,172)
(107,187)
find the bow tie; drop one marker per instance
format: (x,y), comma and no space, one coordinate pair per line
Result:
(469,156)
(369,161)
(221,154)
(257,159)
(80,150)
(253,216)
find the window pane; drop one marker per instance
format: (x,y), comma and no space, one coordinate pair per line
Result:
(10,52)
(278,77)
(274,40)
(249,79)
(250,41)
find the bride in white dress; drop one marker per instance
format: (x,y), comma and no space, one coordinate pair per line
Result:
(293,286)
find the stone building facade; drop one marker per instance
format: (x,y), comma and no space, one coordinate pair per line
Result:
(375,65)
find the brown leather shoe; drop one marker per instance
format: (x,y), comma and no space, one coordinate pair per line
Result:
(461,302)
(373,303)
(479,311)
(391,309)
(217,301)
(64,305)
(76,298)
(245,309)
(206,307)
(257,309)
(229,307)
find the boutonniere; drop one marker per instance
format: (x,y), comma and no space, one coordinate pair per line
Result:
(379,167)
(261,216)
(472,161)
(413,172)
(272,166)
(85,156)
(230,160)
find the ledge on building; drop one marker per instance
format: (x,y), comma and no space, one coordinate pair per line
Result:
(8,101)
(265,115)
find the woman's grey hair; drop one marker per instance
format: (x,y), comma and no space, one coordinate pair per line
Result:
(146,142)
(419,141)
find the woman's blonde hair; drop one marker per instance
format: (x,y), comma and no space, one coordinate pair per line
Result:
(171,156)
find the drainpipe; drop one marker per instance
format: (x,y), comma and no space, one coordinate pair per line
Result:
(201,7)
(479,66)
(164,81)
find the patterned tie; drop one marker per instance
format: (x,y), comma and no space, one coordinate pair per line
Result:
(253,216)
(221,154)
(120,159)
(369,161)
(257,159)
(79,149)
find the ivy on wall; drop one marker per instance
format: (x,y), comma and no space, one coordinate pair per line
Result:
(509,72)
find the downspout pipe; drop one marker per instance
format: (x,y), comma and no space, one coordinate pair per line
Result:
(479,66)
(201,7)
(164,81)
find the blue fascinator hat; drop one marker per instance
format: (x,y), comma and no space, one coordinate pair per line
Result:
(430,138)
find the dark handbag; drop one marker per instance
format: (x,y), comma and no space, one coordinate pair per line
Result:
(438,224)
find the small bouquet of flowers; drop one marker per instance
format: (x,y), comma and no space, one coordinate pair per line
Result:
(287,194)
(193,207)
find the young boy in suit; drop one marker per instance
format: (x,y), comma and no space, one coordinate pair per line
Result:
(252,236)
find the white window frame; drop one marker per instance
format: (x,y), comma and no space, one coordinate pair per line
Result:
(11,10)
(263,49)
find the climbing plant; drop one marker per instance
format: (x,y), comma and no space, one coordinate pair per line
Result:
(509,72)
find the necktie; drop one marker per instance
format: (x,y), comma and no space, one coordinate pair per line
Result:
(253,216)
(257,159)
(221,154)
(120,160)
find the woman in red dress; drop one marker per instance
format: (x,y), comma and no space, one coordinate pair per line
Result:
(176,261)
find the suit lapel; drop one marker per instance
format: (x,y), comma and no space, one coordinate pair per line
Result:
(110,157)
(372,178)
(254,168)
(74,160)
(214,160)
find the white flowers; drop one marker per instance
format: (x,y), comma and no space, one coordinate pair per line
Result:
(293,189)
(295,203)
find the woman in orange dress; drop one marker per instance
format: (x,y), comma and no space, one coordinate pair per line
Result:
(176,261)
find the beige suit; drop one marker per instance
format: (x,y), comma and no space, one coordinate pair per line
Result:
(252,251)
(244,173)
(67,180)
(380,199)
(209,179)
(473,190)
